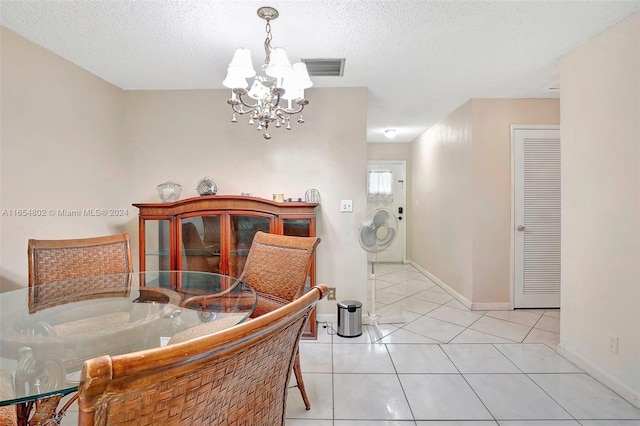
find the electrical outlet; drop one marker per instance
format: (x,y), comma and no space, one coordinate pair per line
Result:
(613,343)
(346,205)
(332,293)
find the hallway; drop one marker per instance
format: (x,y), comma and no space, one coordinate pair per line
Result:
(446,363)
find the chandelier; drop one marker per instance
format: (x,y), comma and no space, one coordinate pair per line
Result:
(277,80)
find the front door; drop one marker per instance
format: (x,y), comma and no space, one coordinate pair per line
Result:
(396,251)
(537,205)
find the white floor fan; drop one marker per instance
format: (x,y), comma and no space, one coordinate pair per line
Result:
(377,231)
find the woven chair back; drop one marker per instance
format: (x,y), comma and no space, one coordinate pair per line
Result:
(64,260)
(236,376)
(277,267)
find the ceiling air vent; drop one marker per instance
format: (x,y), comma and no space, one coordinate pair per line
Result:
(325,67)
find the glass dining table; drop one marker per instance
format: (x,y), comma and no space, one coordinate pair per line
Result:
(48,331)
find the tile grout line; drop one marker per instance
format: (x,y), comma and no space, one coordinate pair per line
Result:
(532,327)
(469,384)
(404,392)
(552,398)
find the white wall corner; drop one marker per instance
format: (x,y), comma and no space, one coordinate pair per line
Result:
(626,392)
(500,306)
(466,302)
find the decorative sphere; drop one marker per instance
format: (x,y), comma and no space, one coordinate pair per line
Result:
(206,186)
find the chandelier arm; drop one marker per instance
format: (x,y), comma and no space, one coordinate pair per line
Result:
(282,114)
(290,113)
(251,107)
(275,102)
(242,111)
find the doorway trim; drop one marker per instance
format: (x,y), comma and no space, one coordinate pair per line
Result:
(512,268)
(402,223)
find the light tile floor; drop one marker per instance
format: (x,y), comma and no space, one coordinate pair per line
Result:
(446,366)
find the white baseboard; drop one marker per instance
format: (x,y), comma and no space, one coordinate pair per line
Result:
(330,318)
(500,306)
(466,302)
(631,395)
(333,318)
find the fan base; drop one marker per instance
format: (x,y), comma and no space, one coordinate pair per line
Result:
(375,321)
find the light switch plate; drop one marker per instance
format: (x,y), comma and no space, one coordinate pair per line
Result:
(346,205)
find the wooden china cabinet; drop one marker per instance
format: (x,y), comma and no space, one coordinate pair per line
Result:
(213,233)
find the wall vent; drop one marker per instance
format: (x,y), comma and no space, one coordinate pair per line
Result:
(325,67)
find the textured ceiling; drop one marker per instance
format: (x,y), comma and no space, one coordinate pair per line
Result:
(418,59)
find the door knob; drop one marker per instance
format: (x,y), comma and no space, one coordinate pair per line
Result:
(520,228)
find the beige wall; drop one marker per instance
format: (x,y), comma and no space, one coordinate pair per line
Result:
(492,197)
(461,196)
(186,135)
(61,149)
(389,151)
(72,141)
(600,83)
(441,201)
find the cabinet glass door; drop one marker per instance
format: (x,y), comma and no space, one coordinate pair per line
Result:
(243,228)
(296,227)
(157,245)
(200,243)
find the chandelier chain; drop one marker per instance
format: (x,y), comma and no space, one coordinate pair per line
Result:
(267,44)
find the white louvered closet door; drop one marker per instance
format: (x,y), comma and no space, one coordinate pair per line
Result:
(537,218)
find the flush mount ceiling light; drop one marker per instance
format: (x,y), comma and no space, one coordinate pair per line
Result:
(277,80)
(390,133)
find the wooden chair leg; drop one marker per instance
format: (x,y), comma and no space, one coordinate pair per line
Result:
(298,373)
(22,412)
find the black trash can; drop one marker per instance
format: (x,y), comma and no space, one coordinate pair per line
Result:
(349,318)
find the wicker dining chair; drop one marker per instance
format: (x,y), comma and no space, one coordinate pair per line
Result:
(61,260)
(277,267)
(67,260)
(236,376)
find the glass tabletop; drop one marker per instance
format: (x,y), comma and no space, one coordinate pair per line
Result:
(48,331)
